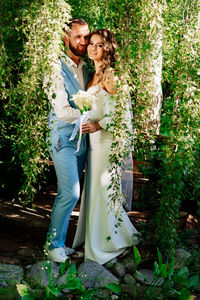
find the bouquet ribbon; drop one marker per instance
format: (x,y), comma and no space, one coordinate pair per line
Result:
(81,119)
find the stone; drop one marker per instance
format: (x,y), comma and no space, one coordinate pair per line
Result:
(149,277)
(10,275)
(12,261)
(26,260)
(154,293)
(126,252)
(114,297)
(118,269)
(181,257)
(128,263)
(93,275)
(103,294)
(110,263)
(25,251)
(127,289)
(37,273)
(128,278)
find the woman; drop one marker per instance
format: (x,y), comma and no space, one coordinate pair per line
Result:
(96,222)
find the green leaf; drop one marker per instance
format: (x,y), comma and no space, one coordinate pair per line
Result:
(193,281)
(156,269)
(48,267)
(71,271)
(24,292)
(137,257)
(108,238)
(63,267)
(115,288)
(163,270)
(28,297)
(142,275)
(53,290)
(152,292)
(22,289)
(185,294)
(74,284)
(183,272)
(88,295)
(181,276)
(171,268)
(160,261)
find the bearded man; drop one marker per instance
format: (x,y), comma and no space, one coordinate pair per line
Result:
(69,164)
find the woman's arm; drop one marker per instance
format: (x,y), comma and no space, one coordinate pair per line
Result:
(110,81)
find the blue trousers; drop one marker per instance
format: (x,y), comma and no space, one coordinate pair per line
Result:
(69,167)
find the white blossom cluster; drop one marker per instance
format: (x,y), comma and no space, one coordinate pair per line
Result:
(83,100)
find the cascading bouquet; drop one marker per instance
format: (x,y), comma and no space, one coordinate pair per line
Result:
(83,101)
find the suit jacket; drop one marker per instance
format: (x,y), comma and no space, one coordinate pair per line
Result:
(72,86)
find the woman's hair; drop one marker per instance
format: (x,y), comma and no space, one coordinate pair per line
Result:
(109,46)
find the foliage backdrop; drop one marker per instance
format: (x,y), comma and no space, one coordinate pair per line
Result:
(38,29)
(31,37)
(137,24)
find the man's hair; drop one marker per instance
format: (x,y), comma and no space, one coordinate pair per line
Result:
(76,22)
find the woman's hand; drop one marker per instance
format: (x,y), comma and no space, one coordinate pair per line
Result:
(90,127)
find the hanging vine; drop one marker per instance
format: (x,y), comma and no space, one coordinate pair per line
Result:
(178,180)
(42,29)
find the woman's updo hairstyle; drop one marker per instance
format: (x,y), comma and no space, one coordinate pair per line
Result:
(109,46)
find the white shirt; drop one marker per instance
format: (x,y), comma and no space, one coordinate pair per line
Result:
(77,71)
(57,94)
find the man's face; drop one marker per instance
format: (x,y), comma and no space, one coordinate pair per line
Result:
(77,40)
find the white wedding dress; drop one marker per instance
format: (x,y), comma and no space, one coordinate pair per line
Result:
(96,225)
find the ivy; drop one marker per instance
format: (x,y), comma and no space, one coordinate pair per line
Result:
(41,30)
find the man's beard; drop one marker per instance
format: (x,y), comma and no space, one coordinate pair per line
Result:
(76,51)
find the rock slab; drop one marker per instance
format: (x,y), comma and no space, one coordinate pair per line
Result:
(93,275)
(38,273)
(10,275)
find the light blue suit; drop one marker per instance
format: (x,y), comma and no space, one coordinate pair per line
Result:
(68,164)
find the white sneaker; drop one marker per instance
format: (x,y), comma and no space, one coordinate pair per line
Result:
(57,255)
(68,251)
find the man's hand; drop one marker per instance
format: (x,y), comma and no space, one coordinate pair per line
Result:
(90,127)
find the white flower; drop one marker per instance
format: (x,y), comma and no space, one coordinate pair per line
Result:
(83,100)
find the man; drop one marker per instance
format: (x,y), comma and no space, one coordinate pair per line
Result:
(72,76)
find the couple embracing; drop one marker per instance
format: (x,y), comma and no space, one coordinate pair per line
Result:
(96,221)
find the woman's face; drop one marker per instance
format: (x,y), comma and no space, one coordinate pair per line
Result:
(96,48)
